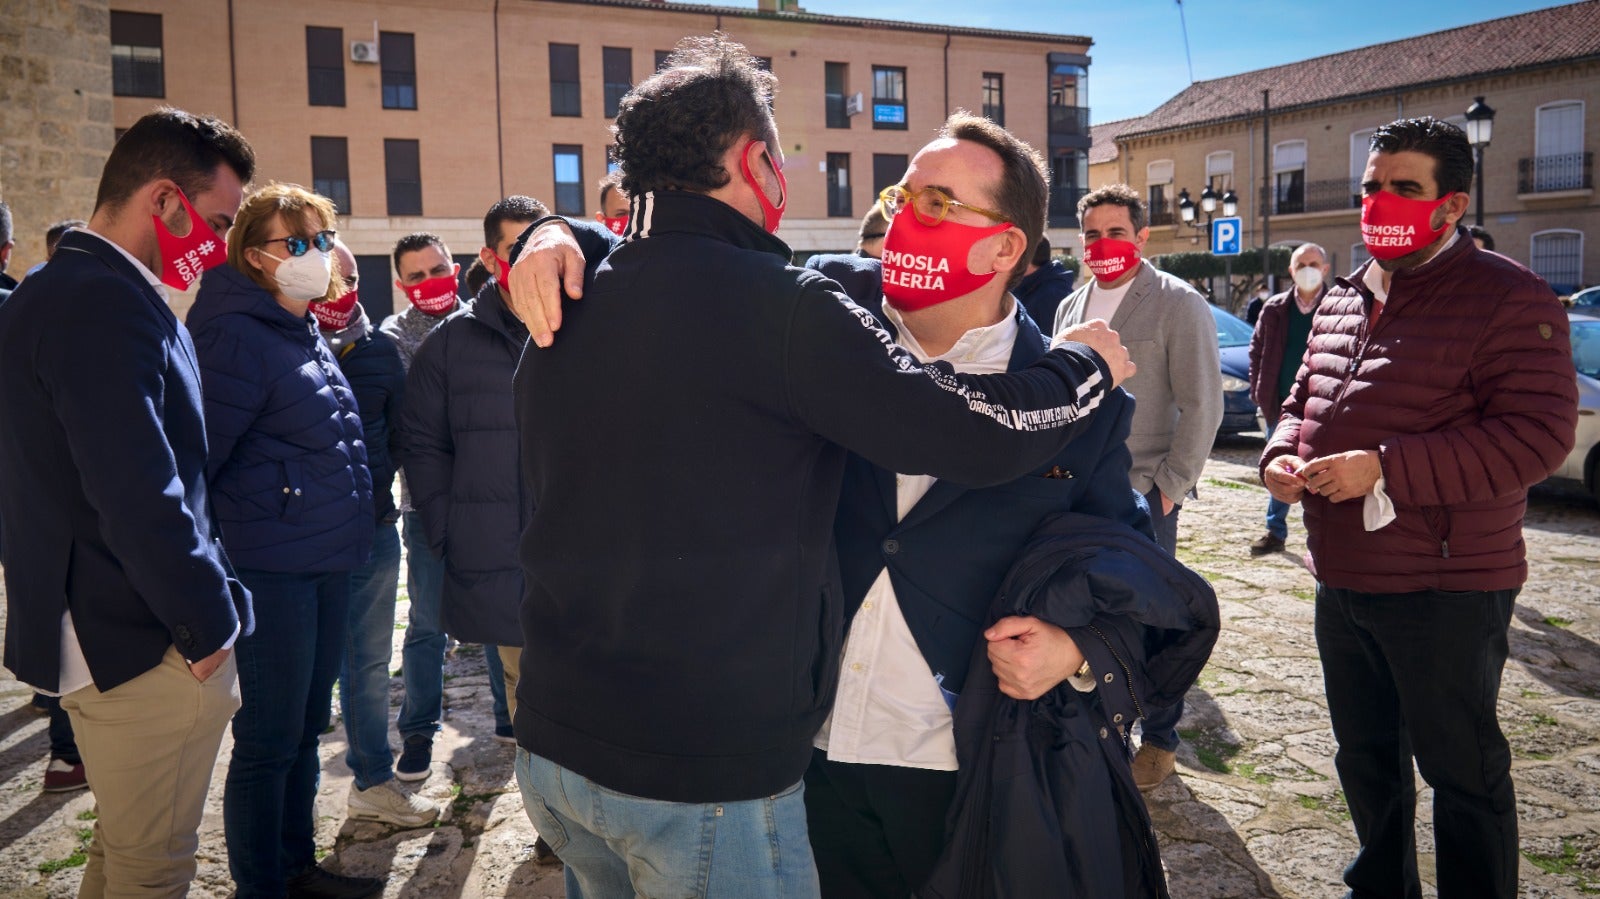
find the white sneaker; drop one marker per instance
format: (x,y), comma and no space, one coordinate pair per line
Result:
(388,803)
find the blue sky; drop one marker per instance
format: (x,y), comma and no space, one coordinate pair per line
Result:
(1138,44)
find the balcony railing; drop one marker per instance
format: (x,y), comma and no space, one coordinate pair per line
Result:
(1069,120)
(1543,174)
(1159,217)
(1064,206)
(1331,195)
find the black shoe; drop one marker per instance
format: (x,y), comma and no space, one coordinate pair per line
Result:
(416,758)
(1266,543)
(316,883)
(543,854)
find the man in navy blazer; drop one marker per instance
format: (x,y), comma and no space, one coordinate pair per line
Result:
(119,597)
(921,560)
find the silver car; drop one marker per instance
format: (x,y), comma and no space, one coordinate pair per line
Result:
(1583,463)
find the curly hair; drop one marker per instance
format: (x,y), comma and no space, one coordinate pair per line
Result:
(673,129)
(1115,195)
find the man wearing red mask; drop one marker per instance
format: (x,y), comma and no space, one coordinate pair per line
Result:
(684,445)
(1438,387)
(613,211)
(1177,390)
(120,599)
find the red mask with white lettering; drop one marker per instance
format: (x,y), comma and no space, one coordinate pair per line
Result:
(925,265)
(334,315)
(615,224)
(1109,258)
(184,259)
(1393,226)
(435,296)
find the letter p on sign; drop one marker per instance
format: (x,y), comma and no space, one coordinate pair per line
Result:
(1226,234)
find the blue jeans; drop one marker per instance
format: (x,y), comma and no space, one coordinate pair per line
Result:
(497,684)
(364,670)
(422,656)
(1277,509)
(286,673)
(617,846)
(1161,725)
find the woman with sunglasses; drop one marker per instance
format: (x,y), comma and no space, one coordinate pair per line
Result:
(289,479)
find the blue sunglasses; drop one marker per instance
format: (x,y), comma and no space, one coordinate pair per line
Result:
(297,246)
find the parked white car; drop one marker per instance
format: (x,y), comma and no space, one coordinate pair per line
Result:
(1583,463)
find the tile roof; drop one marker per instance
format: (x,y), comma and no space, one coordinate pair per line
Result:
(747,12)
(1103,138)
(1530,40)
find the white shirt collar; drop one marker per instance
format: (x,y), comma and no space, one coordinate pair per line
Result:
(988,346)
(1373,276)
(150,276)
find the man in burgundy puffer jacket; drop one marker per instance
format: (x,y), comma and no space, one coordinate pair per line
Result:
(1439,386)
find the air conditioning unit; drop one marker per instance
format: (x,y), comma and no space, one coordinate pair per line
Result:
(854,104)
(363,51)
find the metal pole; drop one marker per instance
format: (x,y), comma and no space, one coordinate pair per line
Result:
(1211,280)
(1227,278)
(1266,195)
(1479,217)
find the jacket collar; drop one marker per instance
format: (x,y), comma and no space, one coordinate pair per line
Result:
(658,212)
(490,308)
(1404,283)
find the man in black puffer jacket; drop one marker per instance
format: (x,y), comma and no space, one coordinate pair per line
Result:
(459,437)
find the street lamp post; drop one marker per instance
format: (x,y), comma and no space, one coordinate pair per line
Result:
(1480,122)
(1208,205)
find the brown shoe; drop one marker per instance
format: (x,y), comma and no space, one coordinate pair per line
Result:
(1266,543)
(1152,766)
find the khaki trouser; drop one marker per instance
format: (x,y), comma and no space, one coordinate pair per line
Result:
(511,660)
(148,747)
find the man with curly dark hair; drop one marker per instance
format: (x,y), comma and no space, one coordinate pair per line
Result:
(682,449)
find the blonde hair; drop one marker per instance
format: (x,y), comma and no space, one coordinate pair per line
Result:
(294,205)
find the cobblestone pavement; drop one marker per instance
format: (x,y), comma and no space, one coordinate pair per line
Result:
(1255,812)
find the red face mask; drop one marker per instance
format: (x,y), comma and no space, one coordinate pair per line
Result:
(334,315)
(925,265)
(770,215)
(435,296)
(1110,259)
(502,273)
(1393,226)
(183,259)
(615,225)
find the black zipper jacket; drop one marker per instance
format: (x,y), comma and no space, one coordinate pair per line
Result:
(683,444)
(1045,802)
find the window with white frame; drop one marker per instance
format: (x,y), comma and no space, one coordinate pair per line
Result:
(1219,171)
(1289,177)
(1557,256)
(1558,146)
(1360,149)
(1158,181)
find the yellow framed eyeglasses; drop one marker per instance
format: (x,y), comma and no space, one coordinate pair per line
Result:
(930,205)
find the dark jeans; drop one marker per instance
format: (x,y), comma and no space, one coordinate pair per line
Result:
(1417,675)
(1161,724)
(286,674)
(364,669)
(876,830)
(63,745)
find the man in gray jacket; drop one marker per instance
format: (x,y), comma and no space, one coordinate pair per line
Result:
(1177,389)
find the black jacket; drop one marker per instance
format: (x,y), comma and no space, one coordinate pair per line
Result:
(103,475)
(459,437)
(1045,802)
(683,441)
(371,363)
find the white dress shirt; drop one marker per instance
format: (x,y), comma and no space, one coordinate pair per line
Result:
(889,709)
(74,667)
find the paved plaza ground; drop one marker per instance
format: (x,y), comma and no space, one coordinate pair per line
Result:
(1256,811)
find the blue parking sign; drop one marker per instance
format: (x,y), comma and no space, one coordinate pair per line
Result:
(1227,236)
